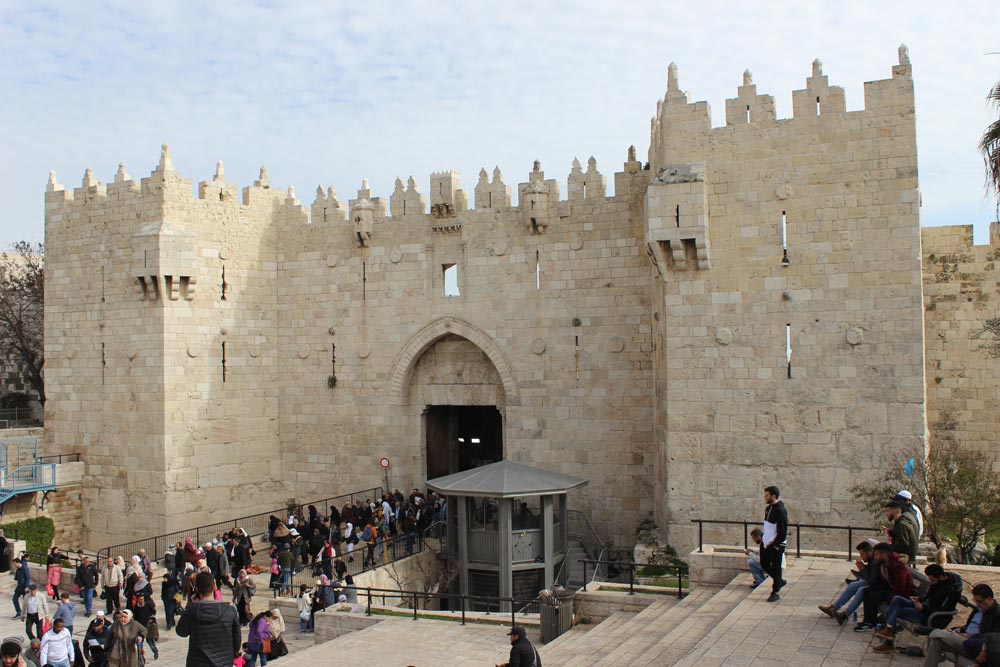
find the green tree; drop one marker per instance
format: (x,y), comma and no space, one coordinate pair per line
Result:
(22,304)
(955,489)
(989,145)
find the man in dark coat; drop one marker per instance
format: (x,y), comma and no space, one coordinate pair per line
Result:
(522,653)
(212,625)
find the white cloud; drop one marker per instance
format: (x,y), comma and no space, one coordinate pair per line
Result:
(331,92)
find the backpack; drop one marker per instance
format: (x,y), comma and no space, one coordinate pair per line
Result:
(367,535)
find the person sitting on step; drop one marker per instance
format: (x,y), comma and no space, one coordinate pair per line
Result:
(868,574)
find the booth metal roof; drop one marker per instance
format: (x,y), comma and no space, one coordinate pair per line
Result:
(506,479)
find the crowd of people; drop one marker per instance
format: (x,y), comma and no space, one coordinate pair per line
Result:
(890,591)
(191,589)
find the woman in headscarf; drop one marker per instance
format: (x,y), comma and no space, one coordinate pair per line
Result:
(351,540)
(277,626)
(141,588)
(53,573)
(243,591)
(132,573)
(122,643)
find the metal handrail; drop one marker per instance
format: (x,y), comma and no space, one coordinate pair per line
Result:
(359,564)
(595,547)
(415,595)
(157,545)
(798,532)
(631,567)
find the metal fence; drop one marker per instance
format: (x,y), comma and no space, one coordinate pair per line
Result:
(18,418)
(795,530)
(254,524)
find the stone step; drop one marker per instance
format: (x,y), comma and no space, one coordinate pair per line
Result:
(641,637)
(755,614)
(579,643)
(681,637)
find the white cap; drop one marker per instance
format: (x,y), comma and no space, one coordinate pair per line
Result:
(905,494)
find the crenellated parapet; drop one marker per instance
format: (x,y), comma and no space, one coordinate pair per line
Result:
(407,201)
(492,194)
(678,118)
(588,184)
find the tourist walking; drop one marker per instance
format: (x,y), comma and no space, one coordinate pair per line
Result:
(86,579)
(111,582)
(243,591)
(123,643)
(36,610)
(22,579)
(212,625)
(772,546)
(53,573)
(57,646)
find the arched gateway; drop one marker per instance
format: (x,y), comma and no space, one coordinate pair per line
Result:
(454,379)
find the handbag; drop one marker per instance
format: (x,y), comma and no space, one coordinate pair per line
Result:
(152,629)
(104,595)
(48,589)
(76,588)
(279,648)
(266,646)
(305,615)
(46,626)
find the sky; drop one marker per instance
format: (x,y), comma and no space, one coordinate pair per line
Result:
(331,92)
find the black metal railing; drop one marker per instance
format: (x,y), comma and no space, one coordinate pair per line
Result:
(522,606)
(631,567)
(60,458)
(74,557)
(358,560)
(255,524)
(798,528)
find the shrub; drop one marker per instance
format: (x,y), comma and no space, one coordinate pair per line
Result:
(37,533)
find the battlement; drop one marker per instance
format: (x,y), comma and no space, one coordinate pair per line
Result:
(447,198)
(677,116)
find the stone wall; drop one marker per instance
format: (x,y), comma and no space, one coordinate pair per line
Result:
(768,232)
(210,354)
(961,291)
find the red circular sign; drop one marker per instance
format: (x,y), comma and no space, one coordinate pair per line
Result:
(384,462)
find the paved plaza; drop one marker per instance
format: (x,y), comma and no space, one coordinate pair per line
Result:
(728,627)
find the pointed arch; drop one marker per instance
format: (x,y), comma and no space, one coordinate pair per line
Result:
(403,364)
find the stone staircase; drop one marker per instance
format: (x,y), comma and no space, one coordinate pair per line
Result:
(660,634)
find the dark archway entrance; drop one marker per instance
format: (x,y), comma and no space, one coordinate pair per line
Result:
(462,437)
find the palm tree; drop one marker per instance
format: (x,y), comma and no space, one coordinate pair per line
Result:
(989,146)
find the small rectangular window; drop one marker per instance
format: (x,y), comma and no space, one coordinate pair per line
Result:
(788,349)
(450,279)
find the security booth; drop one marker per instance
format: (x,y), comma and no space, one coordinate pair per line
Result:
(509,523)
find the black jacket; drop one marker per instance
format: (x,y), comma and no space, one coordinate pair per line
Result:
(942,596)
(86,577)
(777,515)
(214,629)
(990,621)
(523,654)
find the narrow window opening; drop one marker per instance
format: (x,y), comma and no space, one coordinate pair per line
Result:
(489,199)
(450,279)
(333,360)
(223,362)
(224,284)
(222,196)
(584,190)
(748,113)
(576,357)
(784,240)
(364,280)
(104,362)
(788,349)
(817,107)
(538,273)
(404,207)
(102,284)
(677,215)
